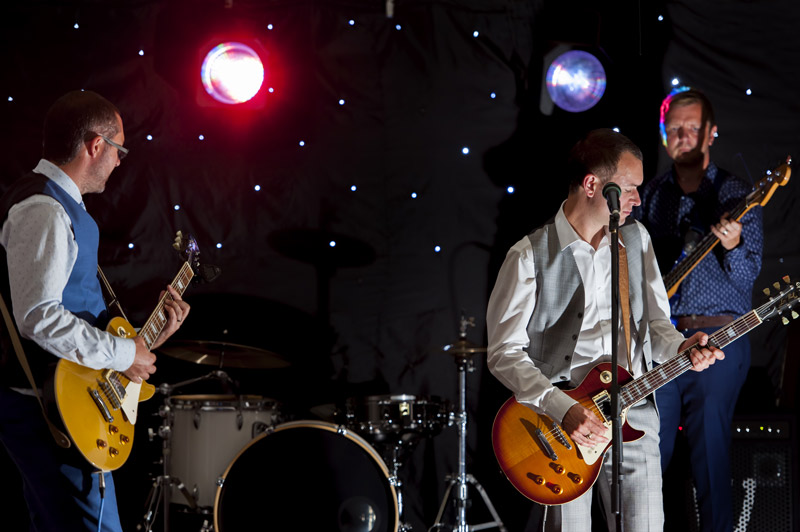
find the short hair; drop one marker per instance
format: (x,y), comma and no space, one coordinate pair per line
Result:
(598,153)
(72,119)
(686,96)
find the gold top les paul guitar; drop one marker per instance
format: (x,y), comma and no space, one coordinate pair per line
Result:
(543,462)
(98,407)
(762,192)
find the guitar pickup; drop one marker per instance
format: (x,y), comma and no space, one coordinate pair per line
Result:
(101,406)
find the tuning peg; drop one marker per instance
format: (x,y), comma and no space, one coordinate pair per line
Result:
(786,279)
(795,315)
(777,285)
(784,320)
(766,291)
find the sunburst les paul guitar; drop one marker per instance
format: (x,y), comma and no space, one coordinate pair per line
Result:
(548,467)
(99,407)
(761,194)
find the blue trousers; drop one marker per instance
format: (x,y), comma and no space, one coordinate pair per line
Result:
(704,404)
(60,486)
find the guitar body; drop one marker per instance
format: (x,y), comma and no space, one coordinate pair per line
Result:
(539,459)
(100,420)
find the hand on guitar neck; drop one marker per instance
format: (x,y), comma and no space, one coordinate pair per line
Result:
(144,361)
(728,231)
(702,355)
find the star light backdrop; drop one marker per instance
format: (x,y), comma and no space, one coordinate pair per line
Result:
(361,201)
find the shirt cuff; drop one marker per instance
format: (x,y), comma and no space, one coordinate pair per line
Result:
(125,352)
(558,405)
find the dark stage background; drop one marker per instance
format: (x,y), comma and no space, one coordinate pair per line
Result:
(384,175)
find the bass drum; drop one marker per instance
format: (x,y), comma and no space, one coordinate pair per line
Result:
(307,475)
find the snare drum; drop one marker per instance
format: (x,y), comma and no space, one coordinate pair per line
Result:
(207,432)
(389,418)
(307,475)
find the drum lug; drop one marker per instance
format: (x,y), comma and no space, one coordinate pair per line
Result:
(341,429)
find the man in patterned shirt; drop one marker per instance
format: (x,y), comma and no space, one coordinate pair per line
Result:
(678,208)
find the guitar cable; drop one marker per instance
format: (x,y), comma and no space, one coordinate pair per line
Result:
(101,481)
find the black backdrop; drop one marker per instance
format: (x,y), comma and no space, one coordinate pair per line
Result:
(371,315)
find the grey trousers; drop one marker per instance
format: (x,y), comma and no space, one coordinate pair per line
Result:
(642,506)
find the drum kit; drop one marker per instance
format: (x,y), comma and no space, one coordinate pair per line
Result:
(224,457)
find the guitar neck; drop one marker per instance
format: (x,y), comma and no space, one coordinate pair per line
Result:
(682,269)
(158,319)
(640,388)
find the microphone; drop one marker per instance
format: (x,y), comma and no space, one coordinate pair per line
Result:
(611,192)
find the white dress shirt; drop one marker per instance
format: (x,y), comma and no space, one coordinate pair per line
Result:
(41,251)
(513,300)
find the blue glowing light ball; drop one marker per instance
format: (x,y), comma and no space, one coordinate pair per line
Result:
(576,80)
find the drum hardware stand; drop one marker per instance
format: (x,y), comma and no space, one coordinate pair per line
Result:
(160,492)
(462,351)
(395,481)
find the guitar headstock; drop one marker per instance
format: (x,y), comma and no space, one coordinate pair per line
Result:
(187,248)
(781,302)
(774,178)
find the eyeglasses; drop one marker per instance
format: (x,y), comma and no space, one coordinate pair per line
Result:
(122,150)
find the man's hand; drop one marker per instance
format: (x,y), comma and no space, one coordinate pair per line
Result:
(177,311)
(144,362)
(728,231)
(702,357)
(584,427)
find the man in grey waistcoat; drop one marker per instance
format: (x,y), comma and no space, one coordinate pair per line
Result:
(549,318)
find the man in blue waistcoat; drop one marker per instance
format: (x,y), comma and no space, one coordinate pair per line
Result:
(49,279)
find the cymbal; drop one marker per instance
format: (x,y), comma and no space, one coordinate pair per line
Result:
(463,347)
(222,354)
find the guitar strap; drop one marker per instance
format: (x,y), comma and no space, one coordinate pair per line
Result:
(112,303)
(61,439)
(624,297)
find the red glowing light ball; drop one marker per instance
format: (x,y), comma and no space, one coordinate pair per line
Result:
(232,73)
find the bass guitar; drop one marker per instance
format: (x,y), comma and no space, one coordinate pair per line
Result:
(547,466)
(98,407)
(760,195)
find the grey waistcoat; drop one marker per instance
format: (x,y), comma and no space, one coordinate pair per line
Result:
(556,321)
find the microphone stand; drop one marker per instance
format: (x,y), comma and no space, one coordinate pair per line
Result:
(616,422)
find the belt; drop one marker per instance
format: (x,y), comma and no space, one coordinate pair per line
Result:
(701,322)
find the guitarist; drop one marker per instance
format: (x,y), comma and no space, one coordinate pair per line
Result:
(678,208)
(49,279)
(548,324)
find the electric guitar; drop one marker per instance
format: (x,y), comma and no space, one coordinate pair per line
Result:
(547,466)
(98,407)
(760,195)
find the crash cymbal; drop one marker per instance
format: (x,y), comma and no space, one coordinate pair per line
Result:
(222,354)
(463,347)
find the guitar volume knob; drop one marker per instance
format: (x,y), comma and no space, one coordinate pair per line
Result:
(537,479)
(558,468)
(101,444)
(555,488)
(576,478)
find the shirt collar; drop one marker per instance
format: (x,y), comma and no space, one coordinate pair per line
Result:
(567,236)
(57,175)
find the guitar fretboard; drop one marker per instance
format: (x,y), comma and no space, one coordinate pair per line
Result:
(158,319)
(640,388)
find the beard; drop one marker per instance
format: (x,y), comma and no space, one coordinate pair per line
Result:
(691,159)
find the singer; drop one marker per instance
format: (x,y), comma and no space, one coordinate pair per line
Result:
(548,322)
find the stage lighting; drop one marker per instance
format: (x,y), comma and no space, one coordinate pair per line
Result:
(575,80)
(232,73)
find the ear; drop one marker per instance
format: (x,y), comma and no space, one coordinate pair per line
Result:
(712,134)
(93,147)
(591,185)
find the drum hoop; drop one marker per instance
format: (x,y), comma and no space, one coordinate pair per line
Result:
(324,425)
(212,402)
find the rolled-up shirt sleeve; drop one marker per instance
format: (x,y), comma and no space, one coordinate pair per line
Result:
(41,252)
(510,308)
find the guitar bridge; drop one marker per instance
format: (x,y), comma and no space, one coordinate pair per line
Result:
(101,405)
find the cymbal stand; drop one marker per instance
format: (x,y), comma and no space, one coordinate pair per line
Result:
(462,480)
